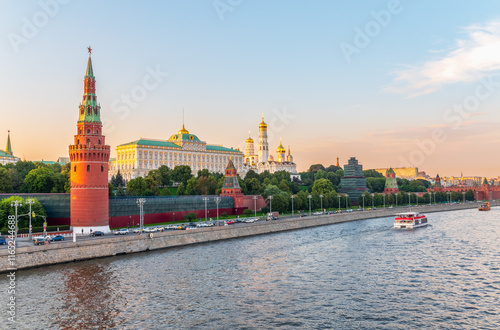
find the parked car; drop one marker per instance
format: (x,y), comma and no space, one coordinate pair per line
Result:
(137,230)
(230,222)
(57,238)
(123,231)
(2,240)
(96,233)
(41,240)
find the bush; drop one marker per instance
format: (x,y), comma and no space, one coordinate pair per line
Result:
(40,229)
(189,216)
(248,212)
(224,215)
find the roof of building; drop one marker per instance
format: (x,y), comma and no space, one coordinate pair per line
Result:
(184,137)
(220,148)
(153,143)
(4,154)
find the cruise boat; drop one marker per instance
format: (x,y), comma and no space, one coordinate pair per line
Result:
(410,220)
(485,207)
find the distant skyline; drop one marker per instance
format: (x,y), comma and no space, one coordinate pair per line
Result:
(392,83)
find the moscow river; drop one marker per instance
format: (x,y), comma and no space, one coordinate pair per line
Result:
(355,275)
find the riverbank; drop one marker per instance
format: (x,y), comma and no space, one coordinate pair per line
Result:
(38,256)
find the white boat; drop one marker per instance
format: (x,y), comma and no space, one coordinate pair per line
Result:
(410,220)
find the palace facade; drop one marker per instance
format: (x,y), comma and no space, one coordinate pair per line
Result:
(138,157)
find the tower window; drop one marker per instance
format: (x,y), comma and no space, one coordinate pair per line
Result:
(88,141)
(88,168)
(74,168)
(99,141)
(102,168)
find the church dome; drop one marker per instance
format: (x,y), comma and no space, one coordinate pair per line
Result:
(280,149)
(249,140)
(262,124)
(183,130)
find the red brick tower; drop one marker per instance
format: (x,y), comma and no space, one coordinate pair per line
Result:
(89,157)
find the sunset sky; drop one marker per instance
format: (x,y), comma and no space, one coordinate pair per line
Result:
(393,83)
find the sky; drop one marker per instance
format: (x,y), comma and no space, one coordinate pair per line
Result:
(392,83)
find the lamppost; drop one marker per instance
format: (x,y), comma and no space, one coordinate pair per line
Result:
(206,200)
(396,199)
(346,201)
(309,196)
(449,197)
(384,199)
(254,206)
(30,201)
(173,217)
(140,202)
(270,203)
(416,197)
(16,204)
(463,193)
(373,201)
(292,197)
(217,201)
(434,197)
(477,197)
(430,198)
(321,197)
(339,203)
(363,201)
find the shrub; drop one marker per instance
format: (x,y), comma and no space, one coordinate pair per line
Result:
(189,216)
(224,215)
(248,212)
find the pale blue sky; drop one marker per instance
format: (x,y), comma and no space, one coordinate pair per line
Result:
(383,106)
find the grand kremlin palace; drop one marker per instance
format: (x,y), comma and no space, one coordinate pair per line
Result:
(138,157)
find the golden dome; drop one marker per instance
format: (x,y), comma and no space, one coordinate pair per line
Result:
(280,149)
(183,130)
(262,124)
(249,140)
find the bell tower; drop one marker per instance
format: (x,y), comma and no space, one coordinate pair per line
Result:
(89,157)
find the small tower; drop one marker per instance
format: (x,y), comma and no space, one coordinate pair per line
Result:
(280,153)
(250,151)
(338,165)
(89,157)
(391,183)
(231,186)
(263,145)
(437,181)
(8,149)
(289,158)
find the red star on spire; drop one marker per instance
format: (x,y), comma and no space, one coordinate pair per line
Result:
(90,50)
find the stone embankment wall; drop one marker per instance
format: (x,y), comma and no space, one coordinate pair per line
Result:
(36,256)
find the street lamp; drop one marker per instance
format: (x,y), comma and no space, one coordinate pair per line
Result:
(270,197)
(254,206)
(434,197)
(217,201)
(206,200)
(16,204)
(292,197)
(477,197)
(309,196)
(321,197)
(140,202)
(449,197)
(363,201)
(339,203)
(30,201)
(384,199)
(173,217)
(416,197)
(373,201)
(346,201)
(463,193)
(396,199)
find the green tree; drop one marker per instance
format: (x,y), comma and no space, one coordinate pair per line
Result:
(322,186)
(111,190)
(248,212)
(375,184)
(253,186)
(372,174)
(205,185)
(117,180)
(181,174)
(43,180)
(5,181)
(137,187)
(190,187)
(189,216)
(6,209)
(271,190)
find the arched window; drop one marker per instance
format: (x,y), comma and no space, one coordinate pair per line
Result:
(99,141)
(74,168)
(88,141)
(102,168)
(88,168)
(88,131)
(78,141)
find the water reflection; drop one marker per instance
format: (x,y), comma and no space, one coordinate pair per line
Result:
(88,297)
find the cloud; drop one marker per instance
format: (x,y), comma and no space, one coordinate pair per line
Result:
(471,59)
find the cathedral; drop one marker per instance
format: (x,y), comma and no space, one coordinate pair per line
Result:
(263,161)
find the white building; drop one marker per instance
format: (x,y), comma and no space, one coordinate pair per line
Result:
(138,157)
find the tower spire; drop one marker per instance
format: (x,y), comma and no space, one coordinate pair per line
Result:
(8,149)
(89,72)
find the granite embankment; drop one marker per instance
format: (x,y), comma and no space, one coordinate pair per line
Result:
(36,256)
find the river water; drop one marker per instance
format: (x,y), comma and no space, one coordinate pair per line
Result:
(356,275)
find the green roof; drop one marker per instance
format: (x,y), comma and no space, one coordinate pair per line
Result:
(220,148)
(4,154)
(184,137)
(153,143)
